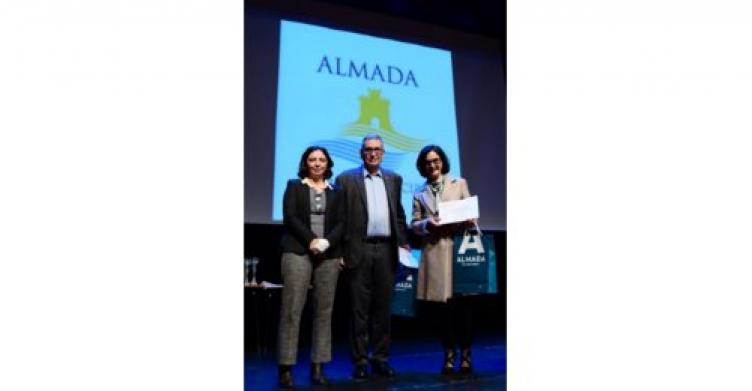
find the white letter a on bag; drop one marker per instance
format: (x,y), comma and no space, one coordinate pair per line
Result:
(471,241)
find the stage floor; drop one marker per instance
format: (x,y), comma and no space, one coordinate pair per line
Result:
(417,363)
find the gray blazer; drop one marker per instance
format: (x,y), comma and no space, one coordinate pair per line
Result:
(354,209)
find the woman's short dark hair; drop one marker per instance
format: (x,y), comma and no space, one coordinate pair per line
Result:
(303,167)
(421,162)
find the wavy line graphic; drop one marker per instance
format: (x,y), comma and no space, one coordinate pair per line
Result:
(350,151)
(391,138)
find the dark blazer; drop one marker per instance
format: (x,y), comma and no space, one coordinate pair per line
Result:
(297,220)
(352,190)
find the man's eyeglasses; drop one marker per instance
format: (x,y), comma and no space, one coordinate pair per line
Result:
(372,150)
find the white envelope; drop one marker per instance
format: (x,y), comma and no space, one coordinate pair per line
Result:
(408,259)
(459,210)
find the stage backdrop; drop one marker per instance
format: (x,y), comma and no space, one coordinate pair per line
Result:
(336,86)
(317,73)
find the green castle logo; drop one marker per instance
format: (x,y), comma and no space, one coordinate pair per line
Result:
(374,107)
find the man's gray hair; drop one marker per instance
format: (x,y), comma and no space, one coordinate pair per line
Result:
(371,136)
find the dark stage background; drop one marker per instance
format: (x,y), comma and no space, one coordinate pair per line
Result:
(262,306)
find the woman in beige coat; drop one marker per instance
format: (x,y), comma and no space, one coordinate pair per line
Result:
(452,314)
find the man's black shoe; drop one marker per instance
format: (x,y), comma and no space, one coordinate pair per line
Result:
(360,372)
(382,368)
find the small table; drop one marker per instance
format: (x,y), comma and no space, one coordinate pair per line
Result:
(264,300)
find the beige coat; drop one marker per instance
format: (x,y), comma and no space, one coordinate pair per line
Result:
(435,271)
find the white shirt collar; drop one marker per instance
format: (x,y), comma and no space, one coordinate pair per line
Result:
(305,181)
(378,173)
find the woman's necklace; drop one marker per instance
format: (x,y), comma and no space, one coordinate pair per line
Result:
(438,186)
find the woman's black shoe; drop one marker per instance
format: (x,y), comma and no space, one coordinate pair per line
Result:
(360,372)
(382,368)
(317,375)
(466,365)
(285,376)
(448,367)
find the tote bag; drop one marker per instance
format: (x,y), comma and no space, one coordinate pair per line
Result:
(474,263)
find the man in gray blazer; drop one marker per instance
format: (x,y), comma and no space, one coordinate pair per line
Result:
(374,226)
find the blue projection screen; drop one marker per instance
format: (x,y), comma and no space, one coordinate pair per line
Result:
(335,87)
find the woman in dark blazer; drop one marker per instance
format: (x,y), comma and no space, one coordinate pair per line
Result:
(310,256)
